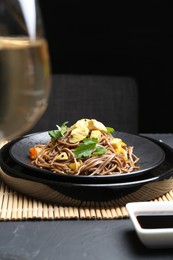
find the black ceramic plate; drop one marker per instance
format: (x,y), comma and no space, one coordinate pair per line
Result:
(155,183)
(151,156)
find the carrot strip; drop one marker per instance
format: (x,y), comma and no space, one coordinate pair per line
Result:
(33,153)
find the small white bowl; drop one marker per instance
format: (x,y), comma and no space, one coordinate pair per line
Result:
(153,222)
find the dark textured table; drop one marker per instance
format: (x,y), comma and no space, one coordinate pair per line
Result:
(77,239)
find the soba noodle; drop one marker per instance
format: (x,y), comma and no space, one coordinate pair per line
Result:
(60,155)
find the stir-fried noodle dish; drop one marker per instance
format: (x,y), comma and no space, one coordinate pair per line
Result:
(85,148)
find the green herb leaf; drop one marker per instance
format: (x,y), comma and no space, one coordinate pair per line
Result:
(110,130)
(56,134)
(90,141)
(64,128)
(88,147)
(100,150)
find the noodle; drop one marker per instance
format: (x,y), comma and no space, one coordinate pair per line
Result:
(59,156)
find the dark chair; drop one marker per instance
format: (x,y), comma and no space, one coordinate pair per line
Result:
(109,99)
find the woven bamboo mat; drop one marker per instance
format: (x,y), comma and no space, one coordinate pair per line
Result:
(14,206)
(17,207)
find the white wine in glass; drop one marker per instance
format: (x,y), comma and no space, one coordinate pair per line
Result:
(25,73)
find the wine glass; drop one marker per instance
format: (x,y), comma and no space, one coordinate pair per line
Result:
(25,73)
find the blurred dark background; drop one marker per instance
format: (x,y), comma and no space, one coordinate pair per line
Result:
(123,38)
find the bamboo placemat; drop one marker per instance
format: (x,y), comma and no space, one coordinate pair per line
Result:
(17,207)
(14,206)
